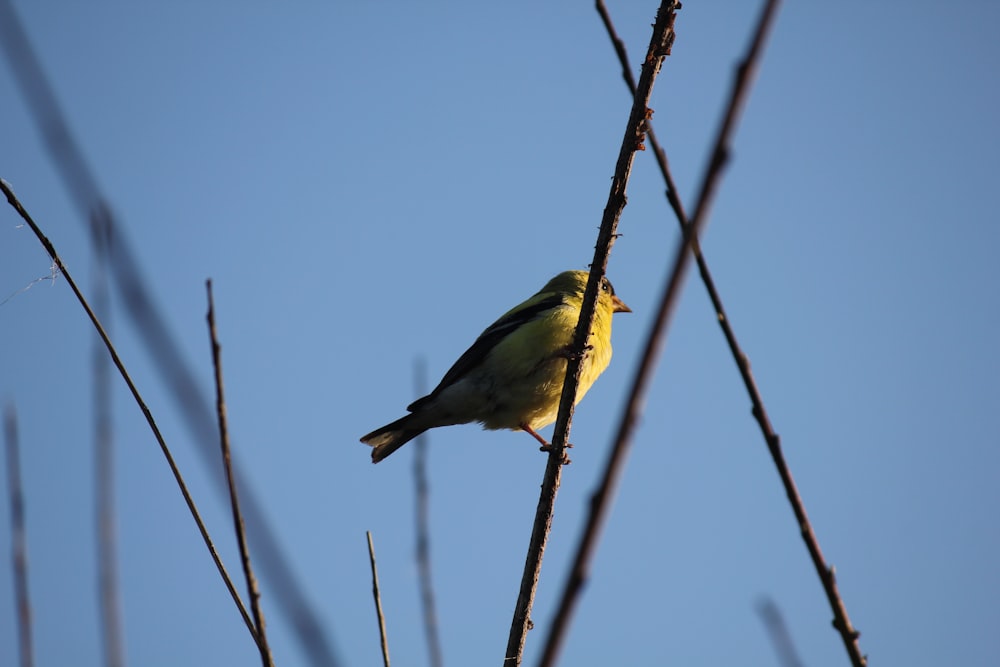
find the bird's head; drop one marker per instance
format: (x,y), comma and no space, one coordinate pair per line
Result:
(575,282)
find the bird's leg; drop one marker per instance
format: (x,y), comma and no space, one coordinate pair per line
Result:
(546,445)
(530,431)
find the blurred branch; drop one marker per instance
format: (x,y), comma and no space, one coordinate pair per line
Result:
(18,541)
(49,248)
(104,479)
(423,530)
(378,602)
(241,538)
(841,622)
(163,350)
(600,501)
(659,47)
(777,631)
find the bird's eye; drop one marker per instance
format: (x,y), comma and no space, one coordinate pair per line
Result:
(604,285)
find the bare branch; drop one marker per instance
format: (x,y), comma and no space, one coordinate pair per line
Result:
(841,622)
(658,152)
(49,248)
(600,502)
(378,602)
(659,47)
(18,541)
(241,538)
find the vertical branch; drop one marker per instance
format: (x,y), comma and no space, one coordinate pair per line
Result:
(600,501)
(104,483)
(241,539)
(659,47)
(18,541)
(178,478)
(378,602)
(423,531)
(842,621)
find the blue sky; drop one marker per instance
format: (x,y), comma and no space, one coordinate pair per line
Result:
(369,185)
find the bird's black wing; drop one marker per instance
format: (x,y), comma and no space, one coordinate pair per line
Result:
(487,340)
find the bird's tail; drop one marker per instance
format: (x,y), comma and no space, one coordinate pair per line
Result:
(391,437)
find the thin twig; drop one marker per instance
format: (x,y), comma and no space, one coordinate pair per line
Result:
(661,156)
(600,501)
(104,477)
(220,406)
(777,631)
(423,530)
(378,602)
(166,354)
(12,199)
(18,541)
(841,620)
(659,47)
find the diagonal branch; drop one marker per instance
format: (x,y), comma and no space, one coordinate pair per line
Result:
(383,639)
(659,47)
(50,249)
(234,500)
(841,620)
(600,502)
(661,157)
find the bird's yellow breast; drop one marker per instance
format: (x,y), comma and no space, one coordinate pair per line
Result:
(524,374)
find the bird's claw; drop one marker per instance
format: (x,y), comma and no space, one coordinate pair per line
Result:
(546,445)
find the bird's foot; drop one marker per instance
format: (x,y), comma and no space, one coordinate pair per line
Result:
(546,445)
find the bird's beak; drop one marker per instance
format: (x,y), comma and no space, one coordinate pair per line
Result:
(618,306)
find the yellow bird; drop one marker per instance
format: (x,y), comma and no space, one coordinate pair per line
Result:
(513,374)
